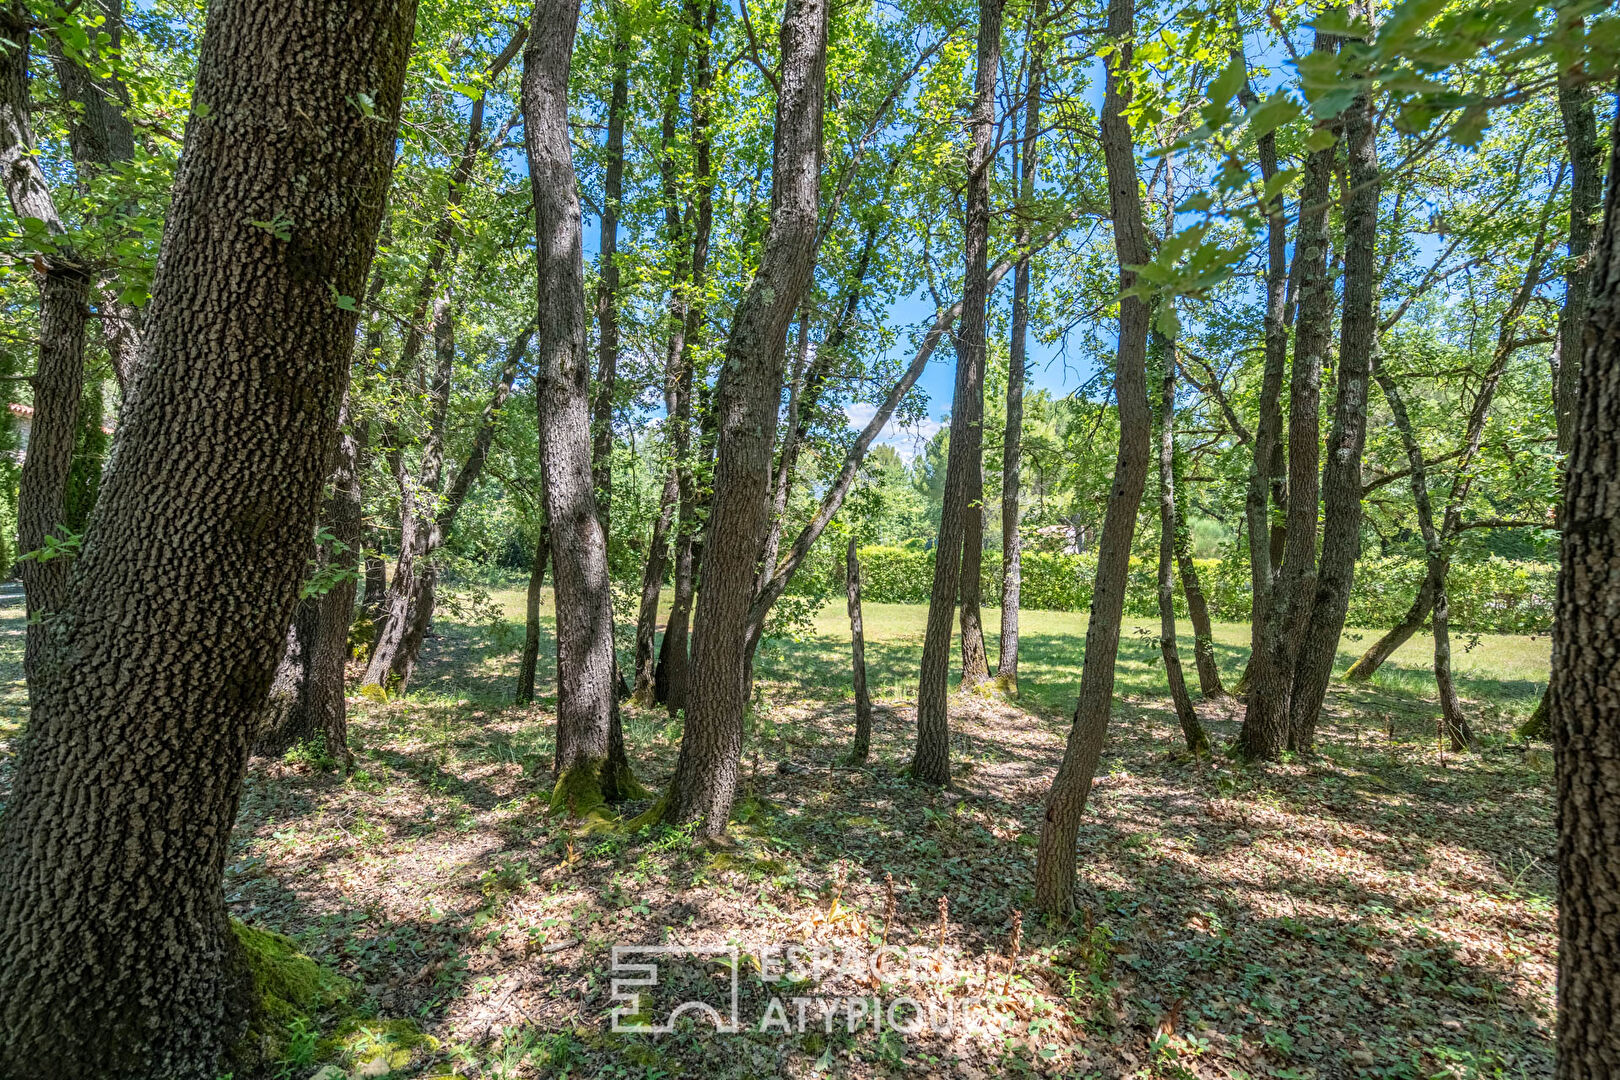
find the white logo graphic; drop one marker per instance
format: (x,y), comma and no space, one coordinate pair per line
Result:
(629,1016)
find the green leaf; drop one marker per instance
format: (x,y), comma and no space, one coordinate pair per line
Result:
(1320,139)
(1469,128)
(1273,113)
(1228,82)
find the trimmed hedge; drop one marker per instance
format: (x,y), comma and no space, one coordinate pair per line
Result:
(1492,595)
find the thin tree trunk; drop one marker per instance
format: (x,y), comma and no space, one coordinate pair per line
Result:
(857,641)
(1055,867)
(1577,112)
(1191,728)
(607,284)
(1399,634)
(585,693)
(1269,675)
(58,382)
(1013,432)
(530,661)
(130,739)
(964,480)
(1341,472)
(1585,708)
(1209,672)
(750,385)
(670,678)
(376,590)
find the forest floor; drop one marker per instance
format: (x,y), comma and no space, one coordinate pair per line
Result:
(1380,910)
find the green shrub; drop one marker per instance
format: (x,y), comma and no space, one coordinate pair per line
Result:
(1492,595)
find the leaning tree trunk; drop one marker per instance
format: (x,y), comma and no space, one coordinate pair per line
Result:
(1055,868)
(750,387)
(58,382)
(1397,635)
(1013,432)
(1191,728)
(857,643)
(586,775)
(1585,709)
(531,626)
(1269,675)
(1341,472)
(116,953)
(964,476)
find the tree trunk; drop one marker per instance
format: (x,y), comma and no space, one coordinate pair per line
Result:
(1013,432)
(670,673)
(585,693)
(1575,107)
(750,386)
(607,284)
(1341,473)
(1269,675)
(376,590)
(1585,708)
(857,641)
(971,344)
(246,360)
(1209,672)
(1191,728)
(531,628)
(1399,634)
(1055,868)
(964,476)
(58,381)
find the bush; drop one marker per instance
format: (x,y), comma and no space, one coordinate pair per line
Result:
(1492,595)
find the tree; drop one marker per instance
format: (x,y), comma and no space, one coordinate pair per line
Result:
(587,767)
(530,659)
(1191,727)
(857,640)
(961,523)
(161,657)
(746,397)
(1054,871)
(1585,697)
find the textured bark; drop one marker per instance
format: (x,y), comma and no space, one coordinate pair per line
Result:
(1269,675)
(1055,868)
(101,137)
(530,661)
(1013,432)
(964,473)
(376,588)
(1341,472)
(1576,108)
(746,400)
(1191,728)
(782,485)
(607,282)
(971,340)
(857,644)
(1266,478)
(58,381)
(1585,706)
(1209,673)
(116,956)
(585,694)
(669,684)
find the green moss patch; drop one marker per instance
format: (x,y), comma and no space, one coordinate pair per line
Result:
(290,994)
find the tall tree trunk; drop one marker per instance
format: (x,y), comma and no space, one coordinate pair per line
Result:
(586,705)
(1585,707)
(1054,871)
(1266,464)
(750,385)
(531,627)
(1209,672)
(675,409)
(1576,110)
(857,644)
(670,679)
(607,282)
(376,590)
(1013,433)
(231,427)
(101,137)
(58,382)
(1341,472)
(964,479)
(1191,728)
(971,341)
(1269,676)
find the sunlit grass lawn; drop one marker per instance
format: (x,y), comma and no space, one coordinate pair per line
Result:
(1502,674)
